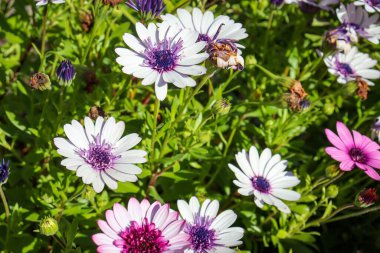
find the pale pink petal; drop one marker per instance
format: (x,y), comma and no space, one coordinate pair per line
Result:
(101,239)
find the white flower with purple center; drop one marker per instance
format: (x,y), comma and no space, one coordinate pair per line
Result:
(209,232)
(209,29)
(369,5)
(352,66)
(142,228)
(162,55)
(356,21)
(45,2)
(264,176)
(98,154)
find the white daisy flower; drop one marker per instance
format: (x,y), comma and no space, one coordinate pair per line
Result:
(209,232)
(352,66)
(98,154)
(162,55)
(356,21)
(45,2)
(265,177)
(369,5)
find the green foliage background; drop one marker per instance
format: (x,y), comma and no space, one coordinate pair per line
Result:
(193,144)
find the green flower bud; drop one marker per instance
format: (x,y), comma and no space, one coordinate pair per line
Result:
(332,171)
(48,226)
(222,106)
(329,108)
(332,191)
(89,193)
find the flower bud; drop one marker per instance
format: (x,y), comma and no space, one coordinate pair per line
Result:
(147,8)
(40,81)
(329,108)
(4,171)
(332,191)
(222,106)
(65,73)
(48,226)
(89,193)
(111,2)
(95,112)
(366,198)
(332,171)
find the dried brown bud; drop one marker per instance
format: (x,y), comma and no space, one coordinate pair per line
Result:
(366,198)
(224,54)
(95,112)
(111,2)
(362,90)
(296,98)
(40,81)
(87,20)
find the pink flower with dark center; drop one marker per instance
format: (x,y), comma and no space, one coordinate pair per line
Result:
(142,228)
(354,150)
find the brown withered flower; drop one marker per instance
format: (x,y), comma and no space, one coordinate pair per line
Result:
(296,97)
(40,81)
(224,54)
(95,112)
(111,2)
(87,21)
(363,88)
(366,198)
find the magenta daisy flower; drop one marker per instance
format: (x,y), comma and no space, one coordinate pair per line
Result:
(354,150)
(144,227)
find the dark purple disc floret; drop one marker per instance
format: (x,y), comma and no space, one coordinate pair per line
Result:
(147,7)
(65,72)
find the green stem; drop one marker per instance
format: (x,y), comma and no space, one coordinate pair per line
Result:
(5,203)
(154,130)
(43,38)
(351,215)
(59,242)
(325,220)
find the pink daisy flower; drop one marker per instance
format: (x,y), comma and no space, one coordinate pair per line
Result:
(143,228)
(354,150)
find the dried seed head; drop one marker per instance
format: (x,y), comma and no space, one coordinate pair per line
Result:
(87,20)
(224,54)
(113,3)
(363,88)
(40,81)
(296,97)
(366,198)
(95,112)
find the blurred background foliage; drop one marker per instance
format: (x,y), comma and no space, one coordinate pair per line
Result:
(194,142)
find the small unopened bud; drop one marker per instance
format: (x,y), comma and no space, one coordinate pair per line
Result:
(95,112)
(332,191)
(366,198)
(332,171)
(65,73)
(111,2)
(296,97)
(40,81)
(222,106)
(89,193)
(87,20)
(224,54)
(362,90)
(4,171)
(48,226)
(328,108)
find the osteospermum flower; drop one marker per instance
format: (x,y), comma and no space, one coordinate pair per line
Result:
(152,8)
(65,73)
(162,55)
(264,177)
(4,171)
(354,150)
(312,6)
(98,154)
(375,131)
(209,232)
(352,66)
(369,5)
(141,228)
(45,2)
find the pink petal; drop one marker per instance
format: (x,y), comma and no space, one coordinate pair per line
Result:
(361,166)
(107,229)
(370,145)
(347,165)
(375,155)
(337,154)
(335,140)
(372,173)
(344,134)
(100,239)
(374,163)
(358,139)
(108,249)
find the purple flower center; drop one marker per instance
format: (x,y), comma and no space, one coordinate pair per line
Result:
(277,2)
(202,238)
(163,56)
(261,184)
(373,2)
(345,69)
(357,155)
(145,238)
(99,155)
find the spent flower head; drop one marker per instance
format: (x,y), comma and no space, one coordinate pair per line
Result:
(40,81)
(366,198)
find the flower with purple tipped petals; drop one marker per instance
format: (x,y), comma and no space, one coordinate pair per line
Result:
(65,73)
(209,232)
(277,2)
(45,2)
(352,66)
(4,171)
(354,150)
(141,228)
(98,154)
(163,55)
(146,8)
(264,176)
(369,5)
